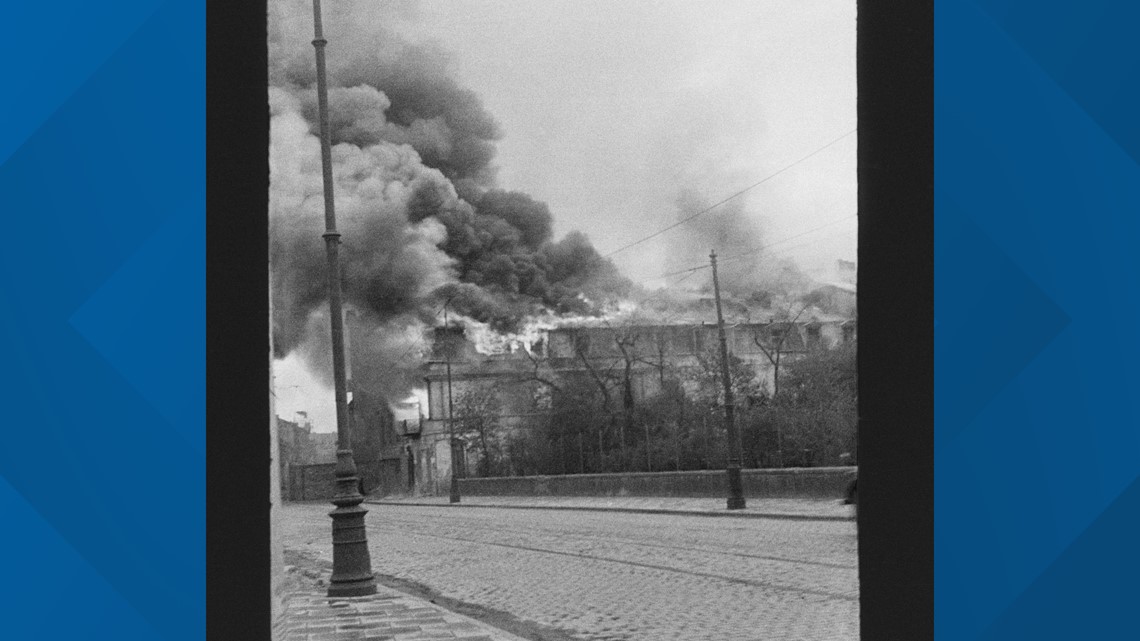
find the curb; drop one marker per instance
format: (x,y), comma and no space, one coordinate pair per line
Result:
(637,510)
(340,614)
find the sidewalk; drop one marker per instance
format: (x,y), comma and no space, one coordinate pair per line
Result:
(802,509)
(310,615)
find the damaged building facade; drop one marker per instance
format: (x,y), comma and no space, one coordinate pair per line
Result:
(512,386)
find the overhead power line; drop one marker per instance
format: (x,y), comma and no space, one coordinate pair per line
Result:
(762,247)
(742,191)
(804,233)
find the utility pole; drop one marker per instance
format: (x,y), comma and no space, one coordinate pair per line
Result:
(352,567)
(454,498)
(735,488)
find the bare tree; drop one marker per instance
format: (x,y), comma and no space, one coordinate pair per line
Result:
(601,378)
(627,345)
(536,374)
(773,354)
(477,416)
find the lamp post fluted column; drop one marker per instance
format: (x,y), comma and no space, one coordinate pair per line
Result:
(352,566)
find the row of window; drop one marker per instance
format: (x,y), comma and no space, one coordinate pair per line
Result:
(649,342)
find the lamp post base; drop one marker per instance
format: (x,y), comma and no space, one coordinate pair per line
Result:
(352,565)
(361,587)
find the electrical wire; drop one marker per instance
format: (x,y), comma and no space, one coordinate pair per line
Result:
(722,259)
(742,191)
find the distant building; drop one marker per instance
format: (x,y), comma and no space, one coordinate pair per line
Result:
(296,443)
(505,378)
(325,445)
(521,380)
(379,443)
(837,299)
(295,449)
(377,447)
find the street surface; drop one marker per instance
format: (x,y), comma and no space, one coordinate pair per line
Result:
(617,576)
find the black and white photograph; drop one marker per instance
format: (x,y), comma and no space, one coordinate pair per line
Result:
(563,319)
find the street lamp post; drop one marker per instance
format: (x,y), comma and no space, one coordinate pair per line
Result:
(352,567)
(454,497)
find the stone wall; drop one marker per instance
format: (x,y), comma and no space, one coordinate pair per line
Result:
(318,482)
(812,482)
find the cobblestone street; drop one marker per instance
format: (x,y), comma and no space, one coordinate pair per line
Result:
(617,576)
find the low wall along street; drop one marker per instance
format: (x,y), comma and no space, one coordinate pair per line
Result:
(318,482)
(808,482)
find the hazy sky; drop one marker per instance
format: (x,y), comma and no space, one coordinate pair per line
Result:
(611,109)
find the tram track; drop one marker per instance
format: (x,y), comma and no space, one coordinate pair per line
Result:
(410,528)
(477,524)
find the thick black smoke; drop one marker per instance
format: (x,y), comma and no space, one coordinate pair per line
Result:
(426,106)
(389,263)
(421,218)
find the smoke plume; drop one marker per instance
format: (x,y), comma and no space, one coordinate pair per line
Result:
(422,220)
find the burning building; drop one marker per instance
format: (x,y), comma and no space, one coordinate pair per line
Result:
(425,224)
(422,217)
(511,384)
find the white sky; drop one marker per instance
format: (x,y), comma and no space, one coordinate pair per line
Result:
(610,107)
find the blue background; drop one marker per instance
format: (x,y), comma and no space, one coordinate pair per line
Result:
(102,462)
(1037,446)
